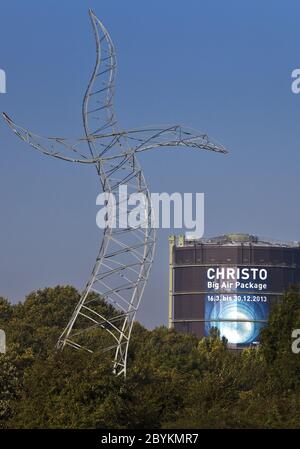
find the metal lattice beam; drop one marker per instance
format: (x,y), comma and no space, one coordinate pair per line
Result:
(126,255)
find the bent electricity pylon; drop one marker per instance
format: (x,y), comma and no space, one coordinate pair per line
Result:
(126,254)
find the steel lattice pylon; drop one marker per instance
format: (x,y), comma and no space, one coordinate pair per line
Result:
(124,261)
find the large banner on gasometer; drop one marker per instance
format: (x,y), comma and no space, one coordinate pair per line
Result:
(237,303)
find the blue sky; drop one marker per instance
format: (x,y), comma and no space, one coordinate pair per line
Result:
(220,67)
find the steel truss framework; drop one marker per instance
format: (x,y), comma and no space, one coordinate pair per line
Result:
(125,257)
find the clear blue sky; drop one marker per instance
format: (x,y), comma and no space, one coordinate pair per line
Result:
(223,67)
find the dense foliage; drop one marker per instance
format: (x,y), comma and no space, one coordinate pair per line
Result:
(174,380)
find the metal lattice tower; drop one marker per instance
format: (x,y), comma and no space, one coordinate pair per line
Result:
(125,257)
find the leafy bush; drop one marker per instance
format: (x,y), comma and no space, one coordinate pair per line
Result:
(174,380)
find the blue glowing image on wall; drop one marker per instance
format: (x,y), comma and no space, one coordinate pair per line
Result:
(238,318)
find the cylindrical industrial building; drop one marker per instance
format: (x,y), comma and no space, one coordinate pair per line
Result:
(229,282)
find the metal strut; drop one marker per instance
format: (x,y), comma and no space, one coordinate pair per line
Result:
(126,254)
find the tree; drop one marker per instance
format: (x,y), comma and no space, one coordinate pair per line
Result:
(276,343)
(9,388)
(174,380)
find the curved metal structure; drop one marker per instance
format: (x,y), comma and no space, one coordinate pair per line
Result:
(126,254)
